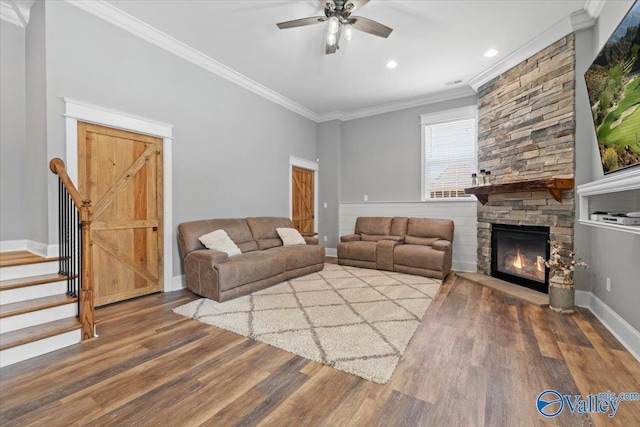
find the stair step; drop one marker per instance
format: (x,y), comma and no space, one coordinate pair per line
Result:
(36,348)
(14,258)
(17,290)
(29,306)
(24,271)
(31,281)
(38,332)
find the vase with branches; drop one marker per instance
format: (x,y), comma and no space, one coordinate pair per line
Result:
(563,266)
(561,287)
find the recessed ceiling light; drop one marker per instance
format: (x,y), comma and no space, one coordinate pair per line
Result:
(491,53)
(391,64)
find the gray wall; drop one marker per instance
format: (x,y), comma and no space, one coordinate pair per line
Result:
(37,170)
(381,155)
(611,253)
(13,139)
(329,140)
(231,147)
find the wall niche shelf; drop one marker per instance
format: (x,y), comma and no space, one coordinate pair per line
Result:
(619,182)
(554,186)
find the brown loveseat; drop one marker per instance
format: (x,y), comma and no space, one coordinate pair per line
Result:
(264,260)
(420,246)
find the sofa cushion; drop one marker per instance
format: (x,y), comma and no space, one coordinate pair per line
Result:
(350,238)
(372,237)
(373,225)
(249,267)
(299,256)
(263,230)
(427,227)
(237,229)
(399,225)
(290,236)
(418,256)
(219,240)
(361,251)
(424,241)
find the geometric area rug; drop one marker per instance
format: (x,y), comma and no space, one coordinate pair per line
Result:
(357,320)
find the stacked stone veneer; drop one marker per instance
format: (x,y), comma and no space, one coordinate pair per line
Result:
(526,131)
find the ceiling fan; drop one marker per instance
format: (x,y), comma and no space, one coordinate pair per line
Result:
(338,14)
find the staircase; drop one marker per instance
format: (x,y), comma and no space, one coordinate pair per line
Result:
(36,314)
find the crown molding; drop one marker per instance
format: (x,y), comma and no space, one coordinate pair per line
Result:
(460,92)
(577,21)
(119,18)
(14,13)
(594,7)
(581,20)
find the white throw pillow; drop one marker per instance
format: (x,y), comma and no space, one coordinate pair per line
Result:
(219,240)
(290,236)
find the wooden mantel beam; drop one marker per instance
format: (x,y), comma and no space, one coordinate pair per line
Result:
(554,186)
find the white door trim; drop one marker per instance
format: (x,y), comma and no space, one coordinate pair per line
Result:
(310,165)
(81,111)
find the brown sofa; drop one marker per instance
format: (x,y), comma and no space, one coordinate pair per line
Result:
(420,246)
(264,260)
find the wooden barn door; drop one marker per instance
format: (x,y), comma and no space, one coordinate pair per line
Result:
(121,173)
(303,199)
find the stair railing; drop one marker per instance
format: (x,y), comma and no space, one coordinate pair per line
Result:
(74,227)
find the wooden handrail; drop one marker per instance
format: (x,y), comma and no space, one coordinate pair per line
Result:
(85,210)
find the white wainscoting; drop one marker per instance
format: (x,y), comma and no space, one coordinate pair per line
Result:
(463,214)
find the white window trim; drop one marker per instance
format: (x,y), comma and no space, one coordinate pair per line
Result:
(444,117)
(81,111)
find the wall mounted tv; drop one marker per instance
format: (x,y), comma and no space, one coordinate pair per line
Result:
(613,84)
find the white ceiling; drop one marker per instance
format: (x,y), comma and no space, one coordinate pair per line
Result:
(433,42)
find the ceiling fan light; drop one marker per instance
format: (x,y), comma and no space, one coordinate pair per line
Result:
(331,39)
(334,25)
(348,32)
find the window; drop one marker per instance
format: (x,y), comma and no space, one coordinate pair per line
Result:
(449,142)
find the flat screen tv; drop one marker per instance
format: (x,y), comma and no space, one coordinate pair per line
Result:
(613,84)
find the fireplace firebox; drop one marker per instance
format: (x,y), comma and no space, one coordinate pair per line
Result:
(514,255)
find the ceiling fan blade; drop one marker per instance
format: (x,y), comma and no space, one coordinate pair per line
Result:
(301,22)
(353,5)
(369,26)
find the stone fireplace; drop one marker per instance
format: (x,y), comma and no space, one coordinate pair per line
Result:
(526,131)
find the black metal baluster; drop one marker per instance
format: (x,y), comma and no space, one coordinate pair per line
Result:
(60,195)
(79,278)
(72,260)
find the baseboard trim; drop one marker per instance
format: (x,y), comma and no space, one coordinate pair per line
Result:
(465,267)
(628,336)
(331,252)
(13,245)
(42,249)
(177,284)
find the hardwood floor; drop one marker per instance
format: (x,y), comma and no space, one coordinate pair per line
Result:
(478,358)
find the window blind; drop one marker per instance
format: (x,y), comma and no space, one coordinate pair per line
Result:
(449,150)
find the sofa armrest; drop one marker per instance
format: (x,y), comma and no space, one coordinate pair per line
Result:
(208,255)
(384,254)
(310,240)
(350,238)
(441,245)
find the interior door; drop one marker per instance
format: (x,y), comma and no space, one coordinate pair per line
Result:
(303,200)
(121,173)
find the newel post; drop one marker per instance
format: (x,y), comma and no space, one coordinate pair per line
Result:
(87,316)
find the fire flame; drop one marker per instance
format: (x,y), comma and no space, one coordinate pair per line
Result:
(540,265)
(518,262)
